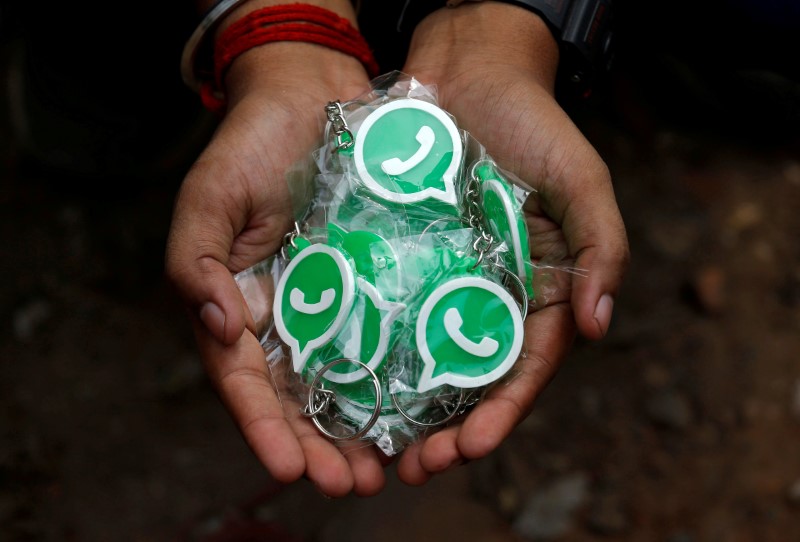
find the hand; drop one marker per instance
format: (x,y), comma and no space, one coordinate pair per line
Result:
(231,212)
(500,90)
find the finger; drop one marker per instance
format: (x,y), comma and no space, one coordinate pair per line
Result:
(326,467)
(365,464)
(240,375)
(548,337)
(440,451)
(198,248)
(409,468)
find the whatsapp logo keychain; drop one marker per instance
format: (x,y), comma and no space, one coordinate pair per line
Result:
(313,300)
(468,333)
(409,150)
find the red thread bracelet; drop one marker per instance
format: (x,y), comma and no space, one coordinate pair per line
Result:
(287,22)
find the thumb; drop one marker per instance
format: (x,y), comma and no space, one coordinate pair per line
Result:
(221,308)
(196,251)
(595,235)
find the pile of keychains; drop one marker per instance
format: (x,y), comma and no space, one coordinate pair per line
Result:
(403,289)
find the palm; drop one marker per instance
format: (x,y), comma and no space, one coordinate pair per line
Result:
(526,132)
(247,169)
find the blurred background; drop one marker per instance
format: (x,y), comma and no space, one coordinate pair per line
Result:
(683,425)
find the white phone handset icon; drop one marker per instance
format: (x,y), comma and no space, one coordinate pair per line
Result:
(297,298)
(452,325)
(426,138)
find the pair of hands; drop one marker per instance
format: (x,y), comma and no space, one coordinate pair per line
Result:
(234,208)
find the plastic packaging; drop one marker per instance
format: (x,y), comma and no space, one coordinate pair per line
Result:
(400,296)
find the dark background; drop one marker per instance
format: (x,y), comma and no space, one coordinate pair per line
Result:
(682,425)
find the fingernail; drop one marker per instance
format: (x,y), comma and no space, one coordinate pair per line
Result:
(602,313)
(214,319)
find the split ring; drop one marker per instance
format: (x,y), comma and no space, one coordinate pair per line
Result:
(450,415)
(314,410)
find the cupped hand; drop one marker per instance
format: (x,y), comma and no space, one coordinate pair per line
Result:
(232,211)
(500,90)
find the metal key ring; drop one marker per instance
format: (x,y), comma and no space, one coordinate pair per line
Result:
(520,287)
(441,219)
(314,410)
(473,175)
(449,416)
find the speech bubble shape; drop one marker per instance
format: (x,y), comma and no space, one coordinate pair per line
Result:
(409,150)
(505,220)
(468,334)
(368,331)
(312,300)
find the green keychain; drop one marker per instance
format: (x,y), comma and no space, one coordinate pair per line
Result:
(313,300)
(409,150)
(504,216)
(468,333)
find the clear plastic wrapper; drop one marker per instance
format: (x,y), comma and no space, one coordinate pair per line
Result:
(401,294)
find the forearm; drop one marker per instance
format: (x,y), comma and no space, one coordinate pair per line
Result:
(453,41)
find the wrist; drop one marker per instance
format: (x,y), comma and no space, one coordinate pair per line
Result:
(274,40)
(488,35)
(286,69)
(283,61)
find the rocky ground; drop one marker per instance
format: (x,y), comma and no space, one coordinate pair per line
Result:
(683,425)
